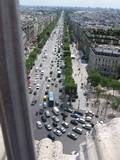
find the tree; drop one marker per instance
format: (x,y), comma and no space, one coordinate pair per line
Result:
(95,78)
(98,93)
(107,98)
(115,104)
(118,70)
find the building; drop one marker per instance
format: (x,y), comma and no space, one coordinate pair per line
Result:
(105,142)
(54,150)
(105,59)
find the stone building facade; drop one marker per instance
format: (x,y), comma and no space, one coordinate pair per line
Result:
(105,59)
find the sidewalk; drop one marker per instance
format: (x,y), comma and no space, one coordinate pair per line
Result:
(80,76)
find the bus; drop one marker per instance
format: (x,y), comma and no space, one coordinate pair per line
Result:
(50,99)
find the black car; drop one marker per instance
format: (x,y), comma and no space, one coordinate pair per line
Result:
(33,102)
(35,93)
(43,118)
(41,111)
(64,114)
(68,110)
(51,136)
(60,90)
(78,112)
(75,115)
(74,122)
(54,124)
(46,92)
(72,136)
(48,127)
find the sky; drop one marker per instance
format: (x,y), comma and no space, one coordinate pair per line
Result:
(79,3)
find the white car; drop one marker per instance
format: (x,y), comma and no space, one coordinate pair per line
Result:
(38,86)
(88,119)
(57,132)
(44,105)
(37,76)
(42,72)
(39,124)
(35,82)
(36,68)
(48,86)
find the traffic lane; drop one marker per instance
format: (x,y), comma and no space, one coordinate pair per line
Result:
(45,68)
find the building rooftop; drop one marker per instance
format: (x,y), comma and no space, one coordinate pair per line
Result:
(107,50)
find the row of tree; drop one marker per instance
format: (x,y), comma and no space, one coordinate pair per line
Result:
(70,86)
(41,40)
(97,79)
(101,85)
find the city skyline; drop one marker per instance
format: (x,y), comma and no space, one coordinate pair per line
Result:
(79,3)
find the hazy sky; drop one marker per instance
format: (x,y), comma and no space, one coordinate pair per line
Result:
(81,3)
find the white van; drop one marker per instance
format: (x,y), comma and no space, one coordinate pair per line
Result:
(56,111)
(39,124)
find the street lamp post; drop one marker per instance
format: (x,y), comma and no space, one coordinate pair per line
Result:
(78,104)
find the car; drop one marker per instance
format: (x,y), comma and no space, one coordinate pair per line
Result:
(77,130)
(57,132)
(78,112)
(48,86)
(34,93)
(51,136)
(51,72)
(38,86)
(74,122)
(43,118)
(72,136)
(46,92)
(56,111)
(88,119)
(39,124)
(37,76)
(35,82)
(47,114)
(54,124)
(60,80)
(33,102)
(56,85)
(48,127)
(44,105)
(41,111)
(49,79)
(73,99)
(75,115)
(30,91)
(69,110)
(57,103)
(42,72)
(41,65)
(81,120)
(87,126)
(62,129)
(64,114)
(52,83)
(89,113)
(60,90)
(65,124)
(55,119)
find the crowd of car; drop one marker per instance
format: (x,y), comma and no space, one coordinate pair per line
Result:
(58,123)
